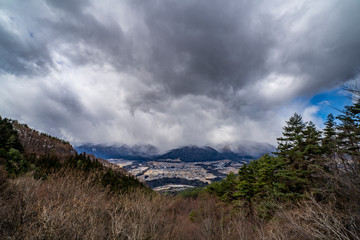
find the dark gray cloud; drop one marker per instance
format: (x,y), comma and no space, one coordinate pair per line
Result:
(209,47)
(206,47)
(86,39)
(146,71)
(69,7)
(22,56)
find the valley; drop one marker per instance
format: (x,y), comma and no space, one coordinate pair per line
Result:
(180,168)
(167,175)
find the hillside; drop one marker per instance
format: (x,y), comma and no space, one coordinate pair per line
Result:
(23,149)
(192,154)
(42,144)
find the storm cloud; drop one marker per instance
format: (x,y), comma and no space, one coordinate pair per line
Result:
(172,73)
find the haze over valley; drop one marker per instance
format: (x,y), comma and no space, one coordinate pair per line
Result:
(180,168)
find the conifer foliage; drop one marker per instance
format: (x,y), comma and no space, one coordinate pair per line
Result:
(348,137)
(291,144)
(11,150)
(303,154)
(329,141)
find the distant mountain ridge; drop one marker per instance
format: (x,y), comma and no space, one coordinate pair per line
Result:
(192,154)
(248,150)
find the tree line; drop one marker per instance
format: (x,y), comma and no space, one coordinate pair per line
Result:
(305,159)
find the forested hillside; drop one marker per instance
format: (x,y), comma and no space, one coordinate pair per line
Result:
(314,176)
(26,151)
(42,144)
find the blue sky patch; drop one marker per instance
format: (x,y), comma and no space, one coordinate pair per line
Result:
(331,102)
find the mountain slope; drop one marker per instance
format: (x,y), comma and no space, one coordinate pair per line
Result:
(192,154)
(25,150)
(42,144)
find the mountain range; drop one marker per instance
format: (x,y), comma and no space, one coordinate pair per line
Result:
(245,150)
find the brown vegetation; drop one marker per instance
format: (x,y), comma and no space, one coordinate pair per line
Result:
(328,214)
(42,144)
(72,206)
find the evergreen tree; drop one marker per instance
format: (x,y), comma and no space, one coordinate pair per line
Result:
(225,189)
(348,137)
(329,142)
(297,148)
(11,149)
(266,169)
(290,183)
(245,187)
(291,145)
(9,136)
(246,180)
(329,139)
(312,142)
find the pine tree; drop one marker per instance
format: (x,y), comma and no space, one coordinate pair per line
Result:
(329,142)
(225,189)
(291,145)
(245,187)
(246,180)
(312,142)
(299,144)
(348,136)
(266,168)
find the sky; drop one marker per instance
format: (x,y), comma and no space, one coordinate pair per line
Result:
(172,73)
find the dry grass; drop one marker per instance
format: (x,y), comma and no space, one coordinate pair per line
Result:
(312,220)
(70,206)
(335,216)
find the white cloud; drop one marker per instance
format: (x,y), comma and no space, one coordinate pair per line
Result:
(171,73)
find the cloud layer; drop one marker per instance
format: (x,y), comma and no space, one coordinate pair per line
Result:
(171,72)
